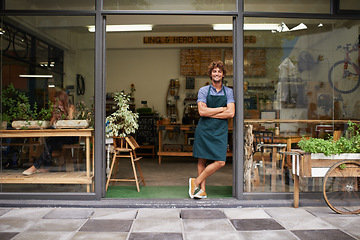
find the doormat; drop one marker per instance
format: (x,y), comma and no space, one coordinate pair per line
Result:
(165,192)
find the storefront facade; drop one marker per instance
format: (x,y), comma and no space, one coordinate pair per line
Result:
(282,58)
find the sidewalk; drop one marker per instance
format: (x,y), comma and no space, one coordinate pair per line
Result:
(174,224)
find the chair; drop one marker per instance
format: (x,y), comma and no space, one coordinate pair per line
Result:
(264,143)
(125,148)
(73,152)
(322,131)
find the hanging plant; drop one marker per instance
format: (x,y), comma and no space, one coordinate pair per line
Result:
(123,121)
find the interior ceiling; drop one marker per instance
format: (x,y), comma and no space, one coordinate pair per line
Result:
(173,23)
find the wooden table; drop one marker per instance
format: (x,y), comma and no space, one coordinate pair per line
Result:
(52,178)
(175,127)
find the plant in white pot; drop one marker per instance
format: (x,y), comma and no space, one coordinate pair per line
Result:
(17,106)
(345,144)
(83,117)
(123,121)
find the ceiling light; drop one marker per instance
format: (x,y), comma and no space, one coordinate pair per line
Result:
(254,26)
(222,27)
(261,26)
(36,76)
(301,26)
(124,28)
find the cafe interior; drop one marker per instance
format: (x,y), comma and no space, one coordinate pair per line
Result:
(296,84)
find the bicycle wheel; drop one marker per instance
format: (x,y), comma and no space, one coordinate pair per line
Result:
(341,187)
(348,80)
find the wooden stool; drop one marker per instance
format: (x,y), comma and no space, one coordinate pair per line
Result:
(125,148)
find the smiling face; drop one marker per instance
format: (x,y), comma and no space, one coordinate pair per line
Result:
(217,75)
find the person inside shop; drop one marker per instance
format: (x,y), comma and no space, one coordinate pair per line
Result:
(62,109)
(215,105)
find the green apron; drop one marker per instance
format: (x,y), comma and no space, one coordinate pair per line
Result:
(211,134)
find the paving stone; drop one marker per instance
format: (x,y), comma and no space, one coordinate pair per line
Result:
(212,236)
(100,235)
(268,235)
(353,231)
(53,225)
(298,219)
(15,225)
(44,235)
(202,214)
(157,225)
(256,224)
(7,235)
(329,234)
(26,213)
(95,225)
(69,213)
(3,211)
(344,221)
(147,213)
(207,225)
(111,213)
(155,236)
(245,213)
(324,212)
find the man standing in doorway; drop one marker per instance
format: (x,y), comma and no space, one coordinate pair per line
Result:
(215,105)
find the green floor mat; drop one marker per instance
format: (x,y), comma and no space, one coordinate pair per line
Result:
(165,192)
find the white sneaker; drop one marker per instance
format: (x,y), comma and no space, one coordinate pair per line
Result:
(200,194)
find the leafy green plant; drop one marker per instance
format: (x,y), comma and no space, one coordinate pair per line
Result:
(123,121)
(347,144)
(84,113)
(16,106)
(5,117)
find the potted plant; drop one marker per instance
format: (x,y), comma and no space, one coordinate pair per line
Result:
(83,117)
(5,119)
(123,121)
(345,144)
(17,106)
(318,152)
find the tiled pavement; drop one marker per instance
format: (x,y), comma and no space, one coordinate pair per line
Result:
(173,224)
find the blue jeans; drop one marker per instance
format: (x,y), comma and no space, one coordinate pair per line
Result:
(51,144)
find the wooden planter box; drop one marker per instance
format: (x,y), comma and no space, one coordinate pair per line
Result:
(36,124)
(314,165)
(71,124)
(317,164)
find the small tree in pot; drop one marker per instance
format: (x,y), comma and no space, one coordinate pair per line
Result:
(123,121)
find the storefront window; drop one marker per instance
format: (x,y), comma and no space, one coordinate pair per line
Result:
(301,80)
(49,5)
(295,6)
(349,5)
(190,5)
(41,58)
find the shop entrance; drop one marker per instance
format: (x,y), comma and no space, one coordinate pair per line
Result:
(161,68)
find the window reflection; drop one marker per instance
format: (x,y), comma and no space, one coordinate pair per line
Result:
(299,82)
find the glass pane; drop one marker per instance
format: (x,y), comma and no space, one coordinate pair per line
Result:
(349,5)
(296,6)
(49,5)
(41,60)
(301,80)
(165,68)
(190,5)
